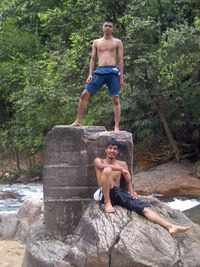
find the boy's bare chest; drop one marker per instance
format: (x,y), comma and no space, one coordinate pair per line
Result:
(106,46)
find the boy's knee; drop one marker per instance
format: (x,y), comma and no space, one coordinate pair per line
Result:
(107,171)
(146,210)
(85,95)
(115,101)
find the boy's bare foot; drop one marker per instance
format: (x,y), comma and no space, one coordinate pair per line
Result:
(109,208)
(75,124)
(175,229)
(116,129)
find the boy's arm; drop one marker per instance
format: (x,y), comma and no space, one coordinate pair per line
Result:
(92,61)
(128,180)
(121,62)
(99,164)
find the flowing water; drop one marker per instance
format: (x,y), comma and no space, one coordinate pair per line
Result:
(35,191)
(183,204)
(21,192)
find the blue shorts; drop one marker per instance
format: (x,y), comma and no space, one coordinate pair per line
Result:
(108,75)
(122,198)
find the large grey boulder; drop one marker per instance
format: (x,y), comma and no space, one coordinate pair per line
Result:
(8,226)
(123,239)
(169,179)
(129,240)
(16,226)
(30,212)
(41,252)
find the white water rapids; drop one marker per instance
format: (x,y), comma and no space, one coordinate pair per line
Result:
(24,191)
(35,190)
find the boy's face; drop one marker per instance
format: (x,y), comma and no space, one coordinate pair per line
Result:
(108,28)
(112,151)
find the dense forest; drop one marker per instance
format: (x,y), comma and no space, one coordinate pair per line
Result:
(45,49)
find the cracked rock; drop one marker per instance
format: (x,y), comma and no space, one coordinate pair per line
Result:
(129,240)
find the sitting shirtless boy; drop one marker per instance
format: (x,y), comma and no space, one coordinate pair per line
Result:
(109,172)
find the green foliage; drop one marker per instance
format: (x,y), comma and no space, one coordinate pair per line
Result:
(45,49)
(160,67)
(15,42)
(35,170)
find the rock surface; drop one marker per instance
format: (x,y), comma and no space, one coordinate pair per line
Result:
(6,194)
(16,226)
(169,179)
(115,240)
(193,214)
(41,252)
(27,179)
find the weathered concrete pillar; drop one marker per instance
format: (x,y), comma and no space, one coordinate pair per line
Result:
(69,175)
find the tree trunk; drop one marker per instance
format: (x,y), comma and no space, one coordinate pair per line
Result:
(17,159)
(30,161)
(167,130)
(33,157)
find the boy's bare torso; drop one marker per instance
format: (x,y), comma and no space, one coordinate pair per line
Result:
(115,175)
(107,50)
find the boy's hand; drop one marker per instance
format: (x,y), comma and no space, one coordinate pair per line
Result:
(122,83)
(134,195)
(125,172)
(89,78)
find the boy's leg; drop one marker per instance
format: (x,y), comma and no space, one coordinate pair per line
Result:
(113,83)
(117,112)
(91,88)
(81,108)
(172,228)
(107,183)
(125,200)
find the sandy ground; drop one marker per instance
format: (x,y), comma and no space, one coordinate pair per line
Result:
(11,253)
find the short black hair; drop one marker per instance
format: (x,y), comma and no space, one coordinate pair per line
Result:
(109,20)
(112,142)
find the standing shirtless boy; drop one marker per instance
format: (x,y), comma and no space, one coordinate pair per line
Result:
(109,172)
(106,50)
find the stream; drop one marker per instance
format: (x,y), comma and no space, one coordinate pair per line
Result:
(35,191)
(22,193)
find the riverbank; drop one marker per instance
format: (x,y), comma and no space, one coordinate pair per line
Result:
(11,253)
